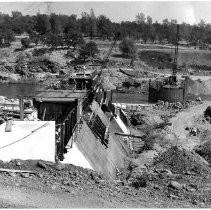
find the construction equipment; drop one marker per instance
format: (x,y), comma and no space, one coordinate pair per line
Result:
(105,59)
(173,77)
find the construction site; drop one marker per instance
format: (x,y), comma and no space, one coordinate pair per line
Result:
(106,130)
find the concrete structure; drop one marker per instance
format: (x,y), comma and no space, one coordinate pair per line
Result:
(160,90)
(28,140)
(94,153)
(76,157)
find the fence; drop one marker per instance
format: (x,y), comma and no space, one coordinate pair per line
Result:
(98,128)
(64,132)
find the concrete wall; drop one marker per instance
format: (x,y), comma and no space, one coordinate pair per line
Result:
(76,157)
(29,140)
(101,159)
(93,153)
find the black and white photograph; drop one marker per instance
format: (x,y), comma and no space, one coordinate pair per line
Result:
(105,104)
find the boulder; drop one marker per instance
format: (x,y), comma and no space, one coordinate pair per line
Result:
(2,99)
(41,164)
(59,166)
(175,185)
(207,112)
(25,175)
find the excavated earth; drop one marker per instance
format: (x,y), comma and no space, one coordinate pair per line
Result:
(50,185)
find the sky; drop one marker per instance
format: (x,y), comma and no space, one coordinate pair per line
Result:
(184,11)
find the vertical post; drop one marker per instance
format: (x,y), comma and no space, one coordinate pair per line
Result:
(21,108)
(62,142)
(79,109)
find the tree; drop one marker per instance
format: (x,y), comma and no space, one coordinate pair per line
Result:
(6,36)
(74,38)
(128,48)
(84,23)
(195,35)
(42,25)
(25,42)
(92,24)
(185,30)
(53,40)
(71,25)
(34,37)
(104,27)
(88,50)
(16,14)
(140,18)
(172,32)
(148,30)
(56,27)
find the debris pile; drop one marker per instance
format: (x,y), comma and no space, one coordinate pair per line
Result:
(184,105)
(204,150)
(199,87)
(180,161)
(42,64)
(207,114)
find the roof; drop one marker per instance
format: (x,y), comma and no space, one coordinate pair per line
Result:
(60,95)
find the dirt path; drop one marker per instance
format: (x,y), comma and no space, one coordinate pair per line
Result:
(12,196)
(21,197)
(183,120)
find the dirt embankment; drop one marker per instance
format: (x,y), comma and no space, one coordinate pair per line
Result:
(199,87)
(197,61)
(49,185)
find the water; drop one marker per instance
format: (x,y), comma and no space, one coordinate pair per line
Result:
(20,89)
(131,98)
(143,99)
(31,90)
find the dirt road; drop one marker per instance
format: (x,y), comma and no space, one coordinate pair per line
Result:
(184,119)
(21,197)
(19,192)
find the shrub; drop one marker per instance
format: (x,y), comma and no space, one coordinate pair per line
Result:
(40,52)
(149,142)
(127,47)
(25,42)
(141,181)
(126,84)
(88,50)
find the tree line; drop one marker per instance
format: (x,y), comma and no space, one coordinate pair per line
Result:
(55,30)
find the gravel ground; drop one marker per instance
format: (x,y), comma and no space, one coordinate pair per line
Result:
(68,186)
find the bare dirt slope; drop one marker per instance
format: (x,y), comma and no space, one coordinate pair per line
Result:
(68,186)
(185,119)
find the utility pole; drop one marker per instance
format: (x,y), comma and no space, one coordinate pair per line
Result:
(49,7)
(176,52)
(21,107)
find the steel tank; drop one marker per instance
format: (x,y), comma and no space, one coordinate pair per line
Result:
(172,94)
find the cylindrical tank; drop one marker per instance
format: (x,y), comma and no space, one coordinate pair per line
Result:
(166,93)
(171,94)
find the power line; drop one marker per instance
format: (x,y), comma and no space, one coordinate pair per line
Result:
(44,125)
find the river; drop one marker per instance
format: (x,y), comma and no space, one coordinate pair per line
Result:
(12,90)
(131,98)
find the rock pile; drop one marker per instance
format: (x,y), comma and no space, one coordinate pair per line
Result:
(178,105)
(207,114)
(204,150)
(180,161)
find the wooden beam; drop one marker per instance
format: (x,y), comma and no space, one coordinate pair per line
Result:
(21,108)
(16,171)
(9,126)
(128,135)
(55,99)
